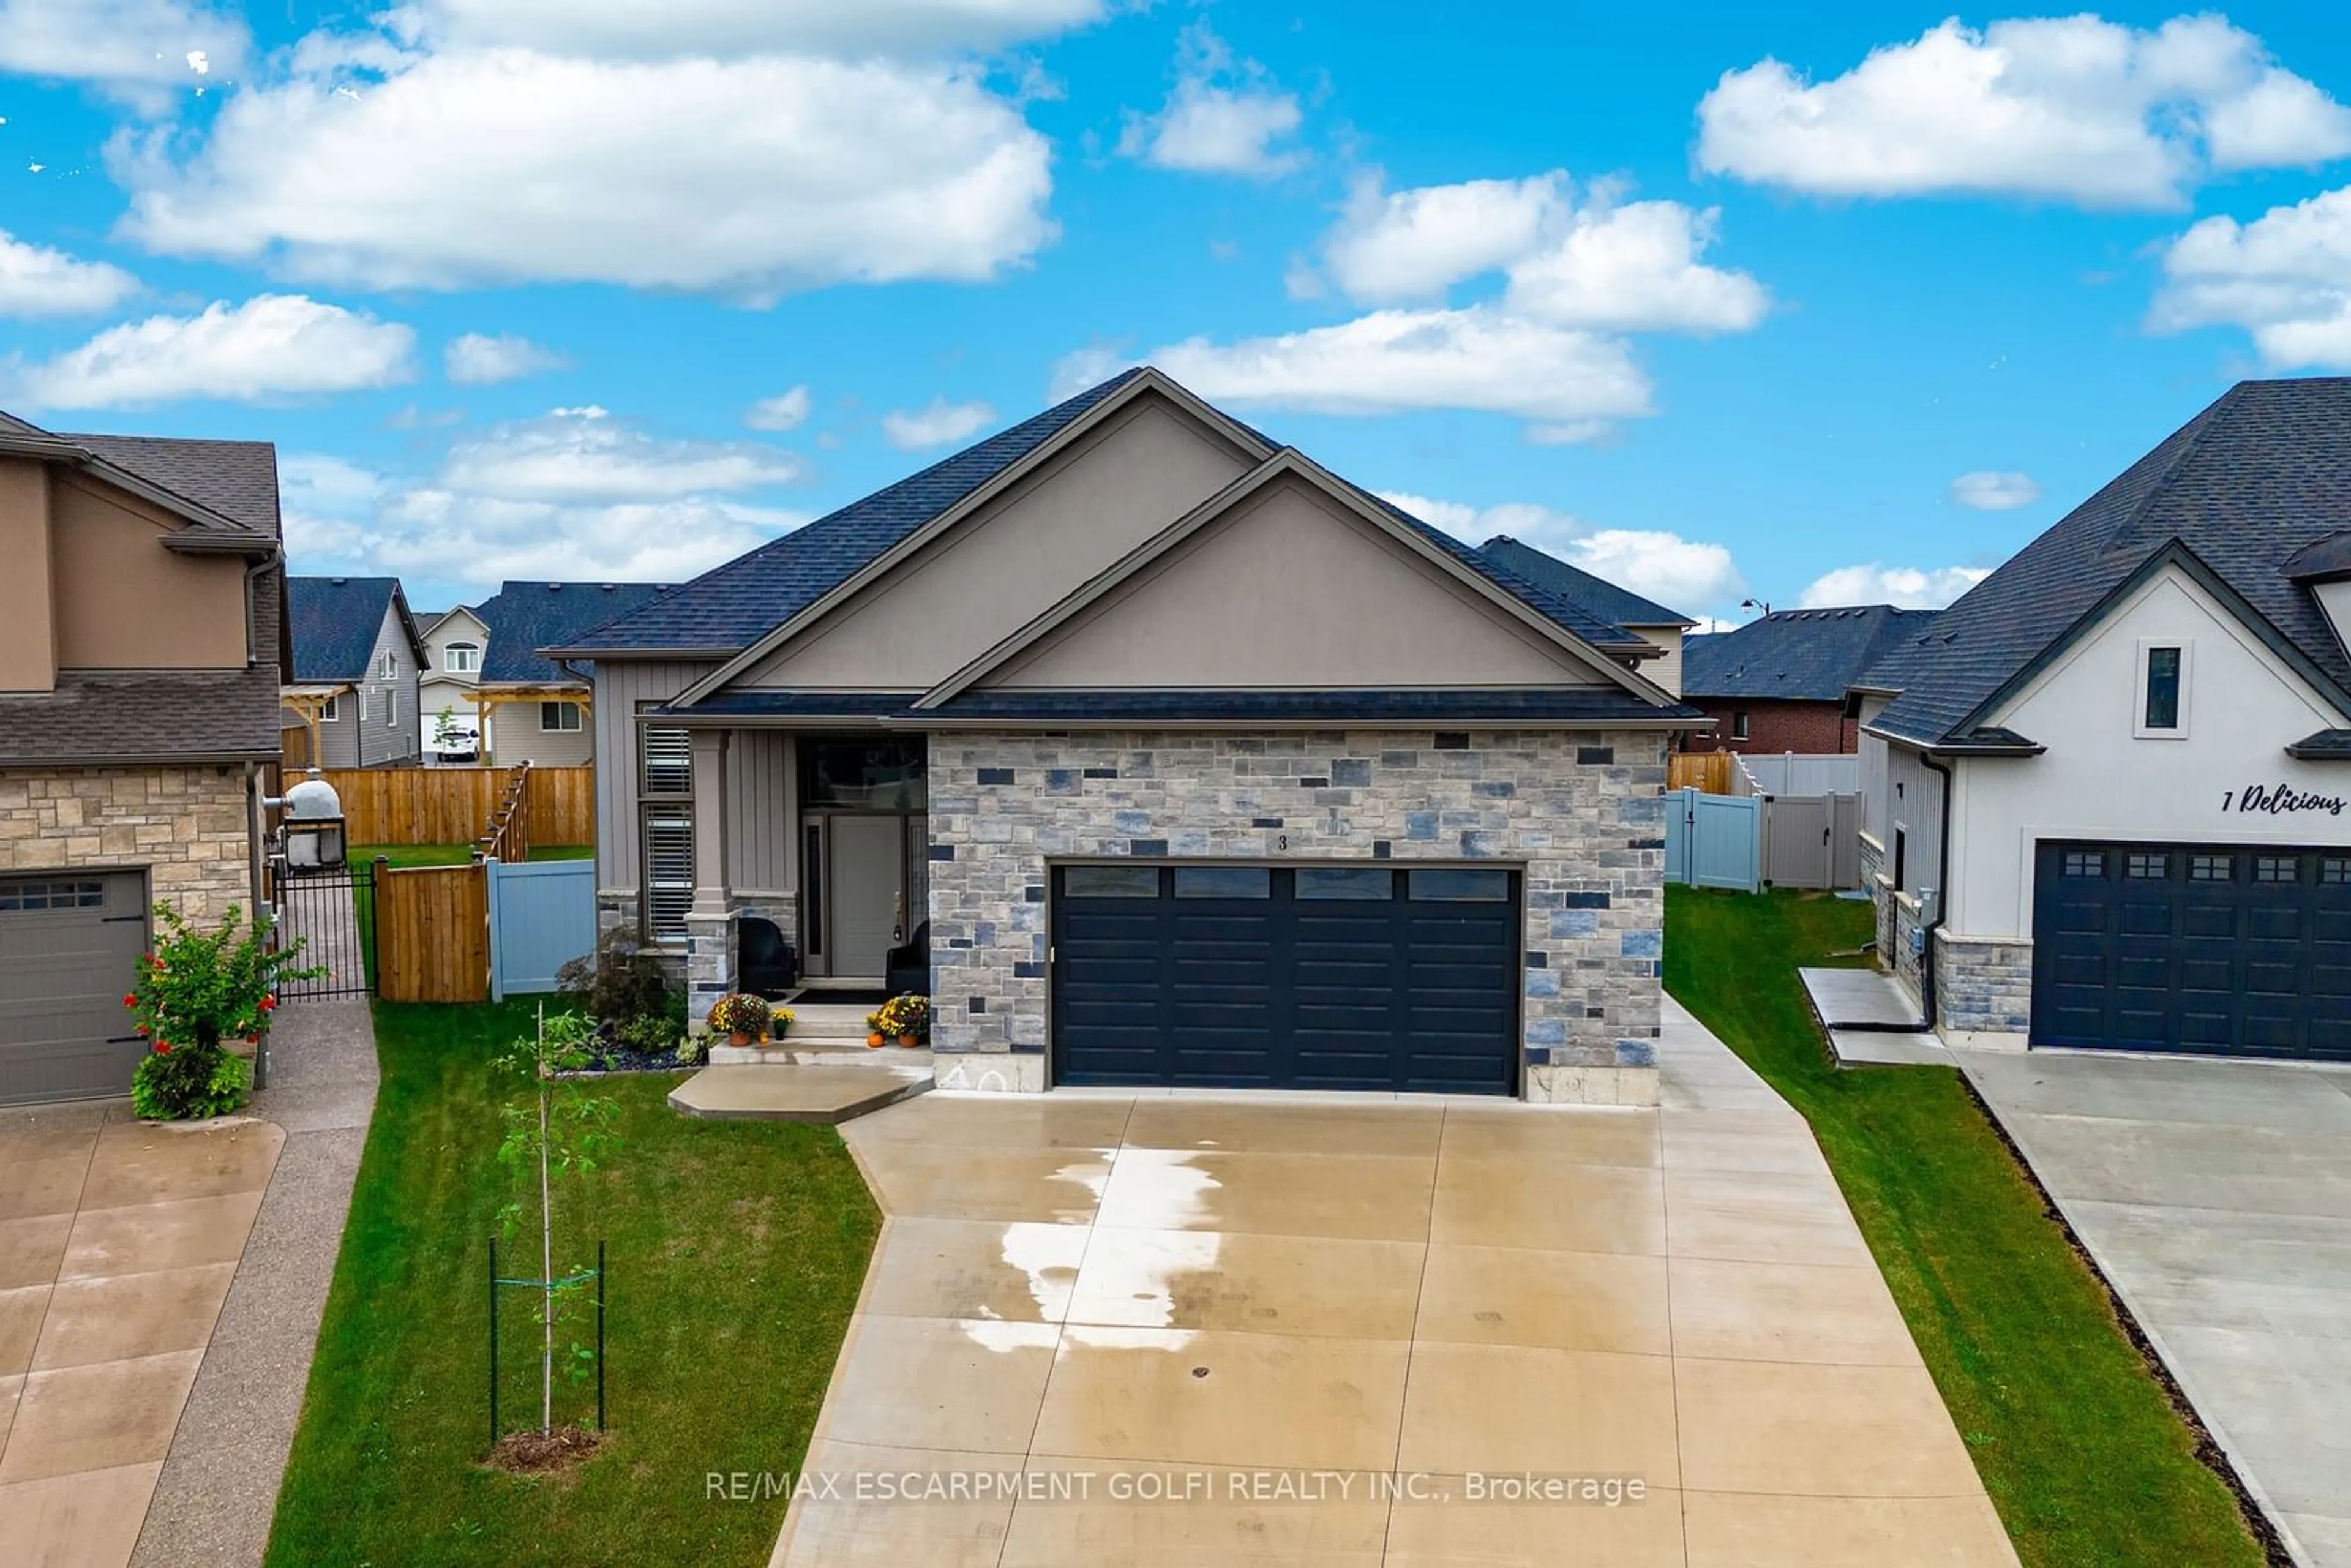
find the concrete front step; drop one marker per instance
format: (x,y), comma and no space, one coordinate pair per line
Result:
(827,1095)
(820,1052)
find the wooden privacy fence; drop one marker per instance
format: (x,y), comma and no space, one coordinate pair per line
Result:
(457,805)
(432,934)
(1710,771)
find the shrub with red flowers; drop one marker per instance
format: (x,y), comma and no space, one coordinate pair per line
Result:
(196,990)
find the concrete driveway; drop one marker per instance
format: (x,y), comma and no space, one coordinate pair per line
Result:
(118,1244)
(1172,1330)
(2216,1196)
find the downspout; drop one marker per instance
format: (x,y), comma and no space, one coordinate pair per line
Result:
(1943,894)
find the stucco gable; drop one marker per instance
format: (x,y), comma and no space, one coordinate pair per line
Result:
(1289,587)
(961,591)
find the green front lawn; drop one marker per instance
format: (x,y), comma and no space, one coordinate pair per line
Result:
(2082,1454)
(737,1251)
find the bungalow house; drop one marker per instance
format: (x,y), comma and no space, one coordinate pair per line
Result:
(141,646)
(1779,683)
(484,669)
(1184,759)
(1645,618)
(353,702)
(2104,792)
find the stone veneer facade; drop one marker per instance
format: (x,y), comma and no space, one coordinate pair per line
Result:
(1984,986)
(1582,816)
(187,827)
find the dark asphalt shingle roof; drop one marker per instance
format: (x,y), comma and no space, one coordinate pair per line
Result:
(1605,600)
(1797,655)
(238,479)
(734,605)
(2253,479)
(94,715)
(336,620)
(1609,703)
(524,617)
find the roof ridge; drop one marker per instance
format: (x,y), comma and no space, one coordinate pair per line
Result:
(2198,427)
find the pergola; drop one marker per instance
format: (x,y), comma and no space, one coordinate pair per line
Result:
(310,703)
(489,699)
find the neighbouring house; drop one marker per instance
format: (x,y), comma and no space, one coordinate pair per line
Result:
(486,671)
(1173,759)
(1780,683)
(2104,791)
(1645,618)
(454,641)
(353,700)
(142,647)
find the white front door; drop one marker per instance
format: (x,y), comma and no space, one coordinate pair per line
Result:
(868,887)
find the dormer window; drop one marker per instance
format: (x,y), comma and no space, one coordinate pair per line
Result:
(2162,691)
(462,658)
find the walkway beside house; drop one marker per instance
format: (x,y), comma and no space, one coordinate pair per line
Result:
(219,1485)
(2216,1199)
(1321,1319)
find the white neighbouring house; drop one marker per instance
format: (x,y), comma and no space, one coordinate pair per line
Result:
(2104,792)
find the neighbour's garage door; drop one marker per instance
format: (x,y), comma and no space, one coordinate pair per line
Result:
(1287,978)
(69,944)
(2193,948)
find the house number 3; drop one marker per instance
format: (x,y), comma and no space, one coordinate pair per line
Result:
(1282,841)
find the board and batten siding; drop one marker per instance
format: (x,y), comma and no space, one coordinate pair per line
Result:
(621,688)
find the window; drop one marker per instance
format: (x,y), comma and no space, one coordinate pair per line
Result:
(1901,856)
(665,819)
(2085,862)
(2146,867)
(2277,868)
(363,691)
(560,717)
(333,712)
(392,708)
(27,897)
(1366,883)
(2163,691)
(889,775)
(2335,870)
(387,665)
(1739,725)
(1111,882)
(462,658)
(1224,882)
(2208,868)
(1460,886)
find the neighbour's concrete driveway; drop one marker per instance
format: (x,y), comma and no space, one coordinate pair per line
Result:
(2216,1196)
(117,1243)
(1265,1308)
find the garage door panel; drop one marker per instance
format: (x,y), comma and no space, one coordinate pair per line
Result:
(2212,948)
(1357,978)
(69,943)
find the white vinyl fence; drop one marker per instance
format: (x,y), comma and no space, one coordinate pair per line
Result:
(1796,773)
(1791,820)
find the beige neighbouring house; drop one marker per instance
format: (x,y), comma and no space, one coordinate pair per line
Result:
(1157,753)
(482,668)
(141,646)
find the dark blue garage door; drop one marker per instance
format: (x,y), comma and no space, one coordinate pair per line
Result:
(1287,978)
(2210,948)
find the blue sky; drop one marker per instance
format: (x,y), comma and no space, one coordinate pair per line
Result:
(1829,305)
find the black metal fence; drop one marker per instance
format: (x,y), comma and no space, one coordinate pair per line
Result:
(331,912)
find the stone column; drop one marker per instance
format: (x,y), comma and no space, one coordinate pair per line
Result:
(710,936)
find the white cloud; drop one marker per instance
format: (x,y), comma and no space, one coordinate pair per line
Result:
(632,28)
(634,516)
(477,358)
(1995,492)
(1398,246)
(1658,565)
(367,163)
(135,49)
(2285,278)
(1909,586)
(574,454)
(1635,269)
(785,410)
(1395,361)
(2070,107)
(1222,118)
(39,280)
(273,345)
(936,425)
